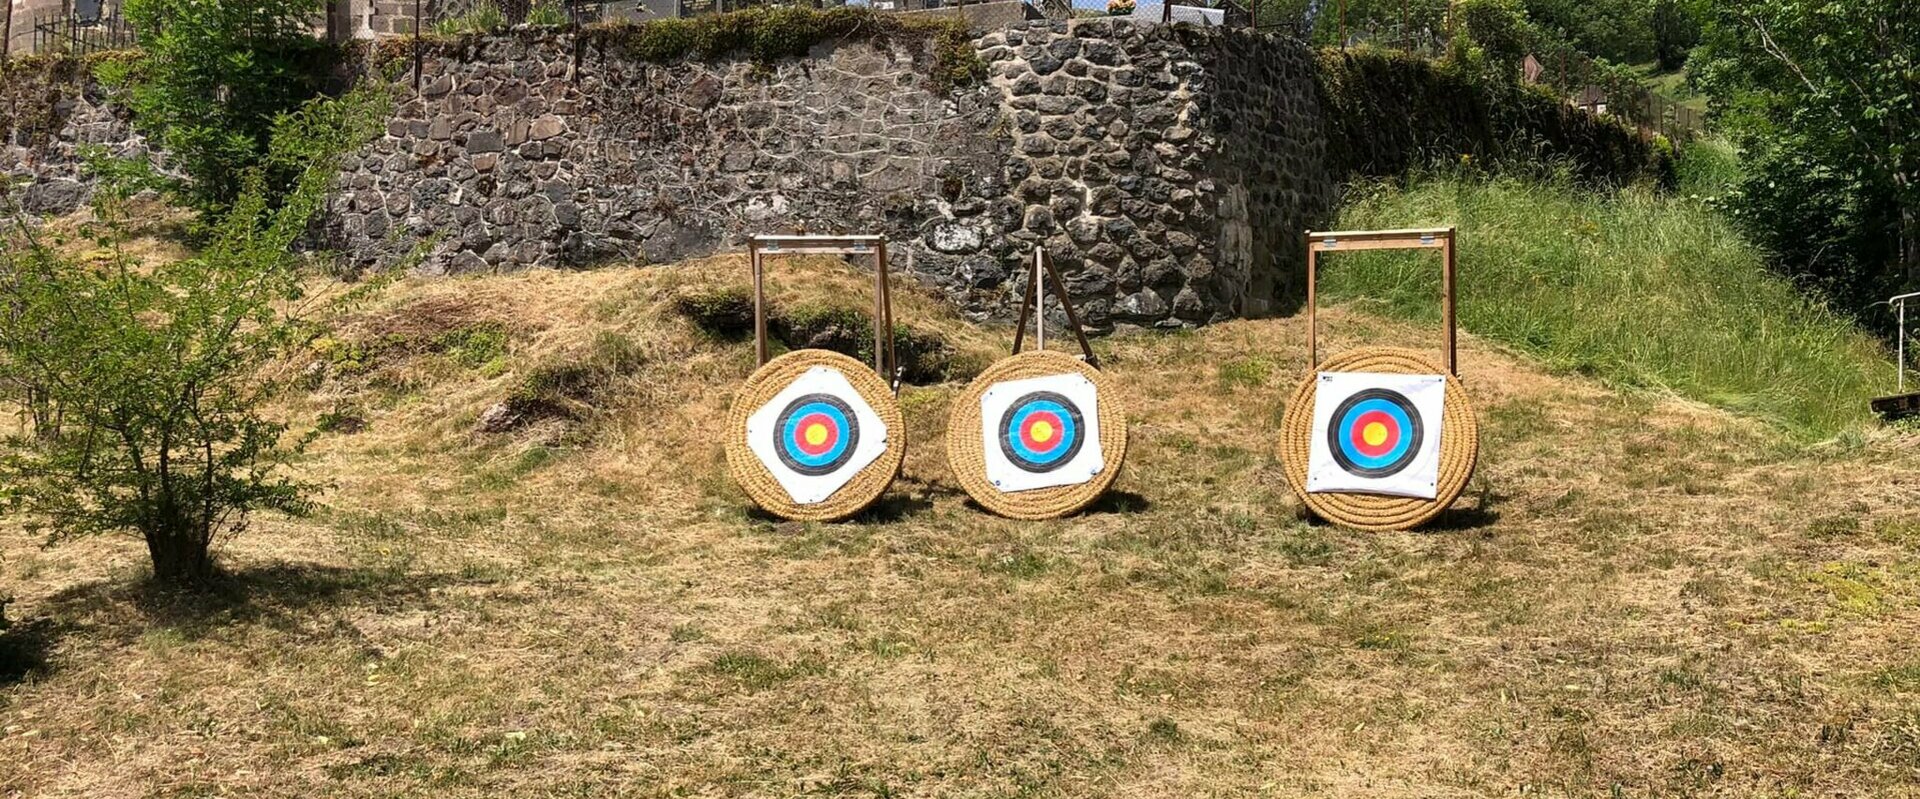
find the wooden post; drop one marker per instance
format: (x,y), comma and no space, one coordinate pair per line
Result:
(759,304)
(1313,330)
(1166,11)
(1039,300)
(882,316)
(1446,300)
(6,37)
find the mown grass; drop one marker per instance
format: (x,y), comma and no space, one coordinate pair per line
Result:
(1639,288)
(1639,597)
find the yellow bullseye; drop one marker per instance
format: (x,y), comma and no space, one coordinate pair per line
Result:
(1041,431)
(1374,434)
(816,435)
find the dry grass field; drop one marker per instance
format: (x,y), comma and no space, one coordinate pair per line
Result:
(1639,596)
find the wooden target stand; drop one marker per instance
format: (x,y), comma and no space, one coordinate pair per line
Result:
(814,435)
(1040,434)
(1459,440)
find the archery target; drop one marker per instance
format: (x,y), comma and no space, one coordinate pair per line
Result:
(1376,433)
(816,434)
(1041,432)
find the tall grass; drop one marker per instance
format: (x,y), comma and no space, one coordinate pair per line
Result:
(1635,287)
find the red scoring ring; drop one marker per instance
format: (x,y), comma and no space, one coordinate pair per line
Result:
(800,433)
(1026,431)
(1355,433)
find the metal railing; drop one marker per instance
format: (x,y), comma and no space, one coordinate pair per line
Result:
(78,29)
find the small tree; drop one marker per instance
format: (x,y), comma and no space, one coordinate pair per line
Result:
(213,76)
(1824,99)
(142,389)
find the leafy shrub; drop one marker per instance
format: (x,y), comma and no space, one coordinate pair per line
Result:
(549,15)
(143,387)
(1492,36)
(1391,112)
(213,79)
(483,17)
(923,357)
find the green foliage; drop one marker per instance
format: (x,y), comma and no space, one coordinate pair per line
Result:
(1708,168)
(547,15)
(1391,112)
(143,387)
(725,312)
(482,18)
(1824,100)
(1491,37)
(1636,287)
(770,33)
(1675,32)
(214,77)
(1617,30)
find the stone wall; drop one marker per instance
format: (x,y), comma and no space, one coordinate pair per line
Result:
(1168,170)
(50,114)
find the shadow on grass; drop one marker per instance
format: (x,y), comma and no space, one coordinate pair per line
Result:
(274,595)
(24,648)
(893,506)
(1120,502)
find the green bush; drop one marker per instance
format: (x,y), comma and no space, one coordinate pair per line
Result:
(143,387)
(1637,287)
(1391,112)
(482,18)
(770,33)
(723,312)
(1491,37)
(213,79)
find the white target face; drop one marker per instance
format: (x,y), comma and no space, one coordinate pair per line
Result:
(1041,432)
(1376,433)
(816,434)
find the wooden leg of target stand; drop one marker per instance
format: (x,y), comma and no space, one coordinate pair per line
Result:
(885,361)
(1028,299)
(1446,302)
(1313,332)
(759,304)
(1073,318)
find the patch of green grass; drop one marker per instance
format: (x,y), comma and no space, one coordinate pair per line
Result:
(755,672)
(1248,372)
(474,347)
(1638,288)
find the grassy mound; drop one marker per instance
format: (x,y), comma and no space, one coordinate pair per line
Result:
(1636,288)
